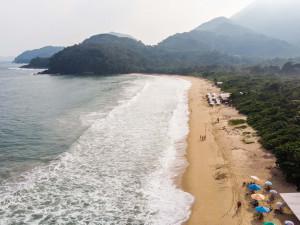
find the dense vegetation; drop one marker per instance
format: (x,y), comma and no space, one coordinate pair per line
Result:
(108,54)
(271,100)
(96,59)
(251,44)
(223,35)
(236,122)
(38,63)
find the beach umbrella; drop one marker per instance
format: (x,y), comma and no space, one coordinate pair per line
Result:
(258,197)
(262,209)
(269,223)
(254,187)
(273,192)
(280,204)
(288,222)
(268,183)
(255,177)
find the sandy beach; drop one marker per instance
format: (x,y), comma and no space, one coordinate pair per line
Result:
(223,161)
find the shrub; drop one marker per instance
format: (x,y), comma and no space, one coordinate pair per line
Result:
(236,122)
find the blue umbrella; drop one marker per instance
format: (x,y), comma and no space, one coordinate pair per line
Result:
(268,183)
(273,192)
(262,209)
(254,187)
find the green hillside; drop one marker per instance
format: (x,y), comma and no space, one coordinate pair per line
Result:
(225,36)
(44,52)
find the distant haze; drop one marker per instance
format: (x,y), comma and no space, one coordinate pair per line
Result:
(33,24)
(275,18)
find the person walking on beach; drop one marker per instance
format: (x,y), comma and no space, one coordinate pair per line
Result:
(239,204)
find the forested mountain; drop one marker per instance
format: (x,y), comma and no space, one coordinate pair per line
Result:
(220,41)
(108,54)
(224,26)
(38,63)
(91,58)
(275,18)
(44,52)
(223,35)
(122,35)
(110,40)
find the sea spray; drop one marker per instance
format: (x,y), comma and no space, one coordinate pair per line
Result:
(122,169)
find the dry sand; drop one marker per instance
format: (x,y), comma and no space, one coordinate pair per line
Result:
(220,164)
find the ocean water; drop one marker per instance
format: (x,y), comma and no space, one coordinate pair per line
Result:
(92,150)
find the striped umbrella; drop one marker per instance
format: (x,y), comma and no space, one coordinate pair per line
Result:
(288,222)
(258,197)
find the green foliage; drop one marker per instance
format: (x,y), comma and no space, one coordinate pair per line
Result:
(241,127)
(271,102)
(97,59)
(234,122)
(108,54)
(247,142)
(290,68)
(38,63)
(240,42)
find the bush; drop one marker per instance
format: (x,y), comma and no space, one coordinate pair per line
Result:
(236,122)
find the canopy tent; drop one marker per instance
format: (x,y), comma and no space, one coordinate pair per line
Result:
(293,201)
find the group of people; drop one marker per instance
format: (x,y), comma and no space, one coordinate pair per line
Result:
(202,138)
(255,203)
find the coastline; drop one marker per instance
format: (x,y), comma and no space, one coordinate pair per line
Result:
(220,164)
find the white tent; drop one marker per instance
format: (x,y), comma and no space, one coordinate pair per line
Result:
(293,201)
(224,96)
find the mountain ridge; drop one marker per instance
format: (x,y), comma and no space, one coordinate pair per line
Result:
(270,18)
(224,35)
(219,41)
(44,52)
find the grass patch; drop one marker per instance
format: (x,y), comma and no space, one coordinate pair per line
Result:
(241,127)
(236,122)
(246,133)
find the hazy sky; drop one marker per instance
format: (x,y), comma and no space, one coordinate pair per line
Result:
(31,24)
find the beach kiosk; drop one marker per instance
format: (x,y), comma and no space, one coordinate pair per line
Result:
(293,202)
(224,97)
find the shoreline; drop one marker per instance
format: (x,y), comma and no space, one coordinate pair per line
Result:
(220,164)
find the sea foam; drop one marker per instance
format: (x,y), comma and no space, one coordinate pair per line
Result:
(123,169)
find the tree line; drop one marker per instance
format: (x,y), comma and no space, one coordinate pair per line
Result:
(271,101)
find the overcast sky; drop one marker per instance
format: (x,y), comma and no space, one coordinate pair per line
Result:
(31,24)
